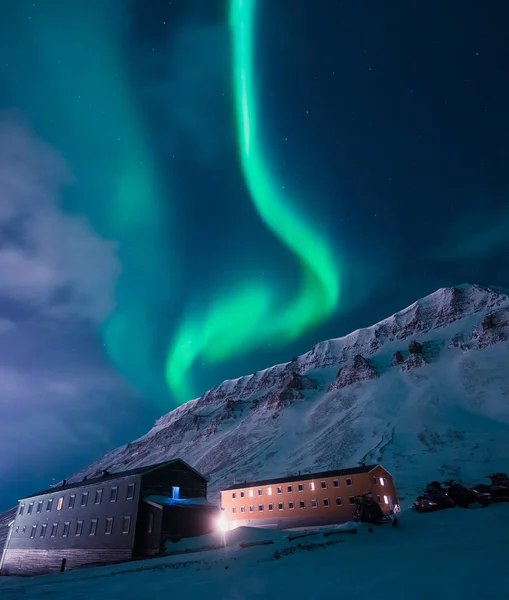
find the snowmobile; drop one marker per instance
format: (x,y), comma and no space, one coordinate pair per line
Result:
(461,495)
(368,510)
(433,498)
(498,491)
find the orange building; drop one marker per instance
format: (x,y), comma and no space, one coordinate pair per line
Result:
(307,499)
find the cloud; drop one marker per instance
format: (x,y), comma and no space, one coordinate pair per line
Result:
(50,260)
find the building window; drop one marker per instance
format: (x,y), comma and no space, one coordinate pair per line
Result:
(54,528)
(335,483)
(279,489)
(72,500)
(314,503)
(79,528)
(234,495)
(383,481)
(260,507)
(301,487)
(60,503)
(280,506)
(126,524)
(242,494)
(242,509)
(32,532)
(375,480)
(339,502)
(42,533)
(39,506)
(93,527)
(378,499)
(21,509)
(291,505)
(30,508)
(351,499)
(114,493)
(17,529)
(251,508)
(65,531)
(109,525)
(269,491)
(326,502)
(130,491)
(324,485)
(98,496)
(250,493)
(312,486)
(271,507)
(234,510)
(386,500)
(260,492)
(49,504)
(150,522)
(23,529)
(302,504)
(349,481)
(289,488)
(175,492)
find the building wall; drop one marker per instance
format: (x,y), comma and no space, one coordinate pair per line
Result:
(320,503)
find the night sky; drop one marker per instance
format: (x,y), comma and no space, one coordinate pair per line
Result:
(197,189)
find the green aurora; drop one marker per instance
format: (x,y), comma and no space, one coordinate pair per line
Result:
(249,317)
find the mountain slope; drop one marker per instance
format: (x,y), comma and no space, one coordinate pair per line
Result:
(425,391)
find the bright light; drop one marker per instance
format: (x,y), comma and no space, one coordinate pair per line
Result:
(386,500)
(250,493)
(222,523)
(382,481)
(312,486)
(269,491)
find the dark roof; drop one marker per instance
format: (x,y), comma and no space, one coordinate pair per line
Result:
(110,477)
(303,477)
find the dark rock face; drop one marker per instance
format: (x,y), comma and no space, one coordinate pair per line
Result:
(415,348)
(358,370)
(397,359)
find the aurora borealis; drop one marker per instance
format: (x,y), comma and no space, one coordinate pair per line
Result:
(195,190)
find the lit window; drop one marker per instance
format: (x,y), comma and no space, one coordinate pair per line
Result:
(291,505)
(335,483)
(60,503)
(114,493)
(54,528)
(39,506)
(260,492)
(351,499)
(79,528)
(301,487)
(93,527)
(126,524)
(49,504)
(33,530)
(383,481)
(339,502)
(279,489)
(242,509)
(109,525)
(289,488)
(302,504)
(65,531)
(242,494)
(30,508)
(234,510)
(84,498)
(43,530)
(175,492)
(326,502)
(260,507)
(130,491)
(386,500)
(280,506)
(234,495)
(21,509)
(72,500)
(269,491)
(251,493)
(271,507)
(98,496)
(314,503)
(349,481)
(312,486)
(251,508)
(324,485)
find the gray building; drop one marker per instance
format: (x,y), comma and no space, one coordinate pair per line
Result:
(109,518)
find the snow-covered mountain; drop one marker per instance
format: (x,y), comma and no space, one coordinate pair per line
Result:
(425,392)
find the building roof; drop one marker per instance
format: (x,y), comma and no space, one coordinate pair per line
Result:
(303,477)
(110,477)
(167,501)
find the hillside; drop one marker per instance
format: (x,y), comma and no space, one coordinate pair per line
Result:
(425,391)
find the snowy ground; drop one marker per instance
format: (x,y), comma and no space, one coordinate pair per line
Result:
(451,554)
